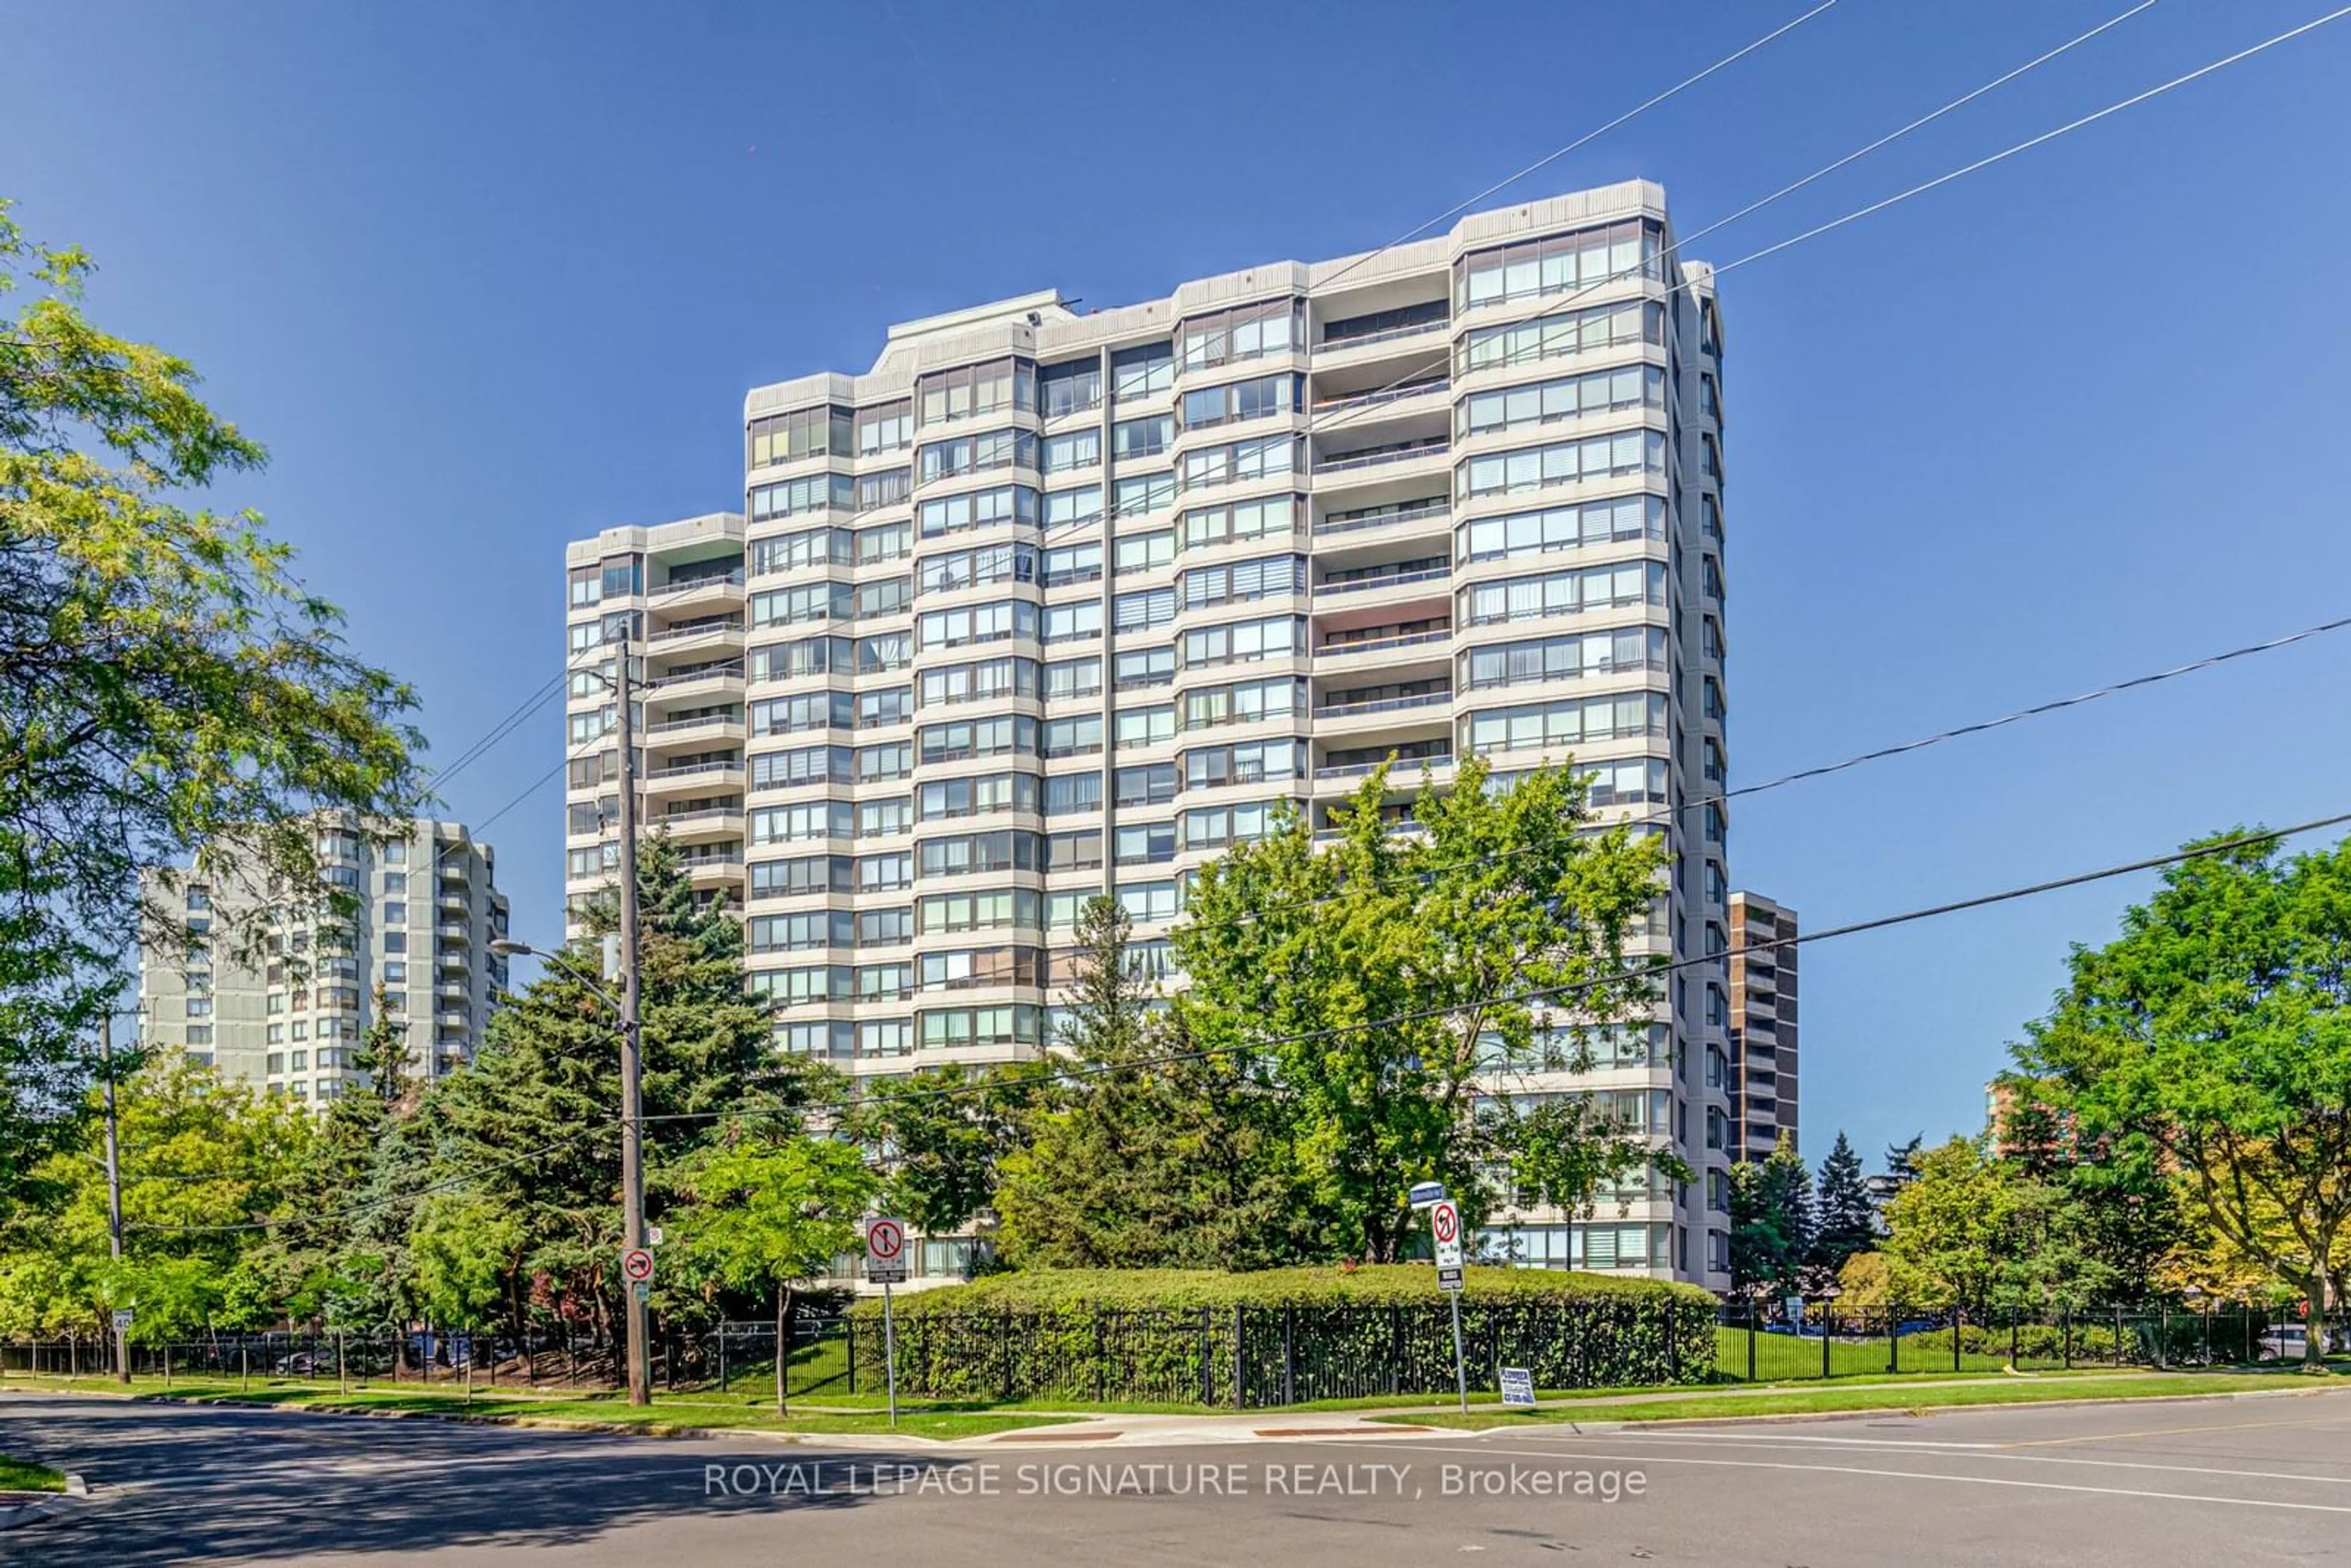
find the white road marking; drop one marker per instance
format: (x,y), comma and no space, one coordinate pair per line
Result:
(1488,1454)
(1962,1450)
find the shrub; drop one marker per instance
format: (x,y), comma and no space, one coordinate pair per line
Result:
(1283,1336)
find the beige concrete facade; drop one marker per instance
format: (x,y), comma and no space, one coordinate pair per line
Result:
(1048,603)
(427,909)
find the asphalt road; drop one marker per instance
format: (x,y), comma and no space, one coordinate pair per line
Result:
(2248,1481)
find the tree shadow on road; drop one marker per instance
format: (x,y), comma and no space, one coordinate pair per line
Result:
(209,1483)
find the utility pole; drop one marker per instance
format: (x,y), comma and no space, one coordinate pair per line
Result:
(113,1183)
(633,1176)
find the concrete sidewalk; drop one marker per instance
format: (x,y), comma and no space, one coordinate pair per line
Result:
(1110,1427)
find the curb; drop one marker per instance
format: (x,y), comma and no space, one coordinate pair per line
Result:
(76,1497)
(560,1424)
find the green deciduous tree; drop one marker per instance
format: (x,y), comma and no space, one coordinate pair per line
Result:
(2216,1031)
(167,686)
(770,1205)
(207,1167)
(1972,1232)
(1397,981)
(942,1134)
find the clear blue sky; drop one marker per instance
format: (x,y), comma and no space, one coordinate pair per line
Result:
(488,278)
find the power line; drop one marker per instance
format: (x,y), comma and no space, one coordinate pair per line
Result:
(500,730)
(1315,424)
(1586,139)
(1902,748)
(1683,241)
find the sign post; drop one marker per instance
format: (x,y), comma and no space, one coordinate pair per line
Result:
(885,1265)
(1444,1226)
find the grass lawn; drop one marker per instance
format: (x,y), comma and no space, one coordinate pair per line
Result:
(1823,1400)
(669,1411)
(16,1475)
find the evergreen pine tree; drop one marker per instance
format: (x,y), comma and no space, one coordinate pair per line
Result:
(534,1123)
(1845,1223)
(1155,1157)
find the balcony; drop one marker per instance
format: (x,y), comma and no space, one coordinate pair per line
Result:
(453,931)
(713,631)
(1354,407)
(1410,712)
(1434,576)
(1368,459)
(1404,770)
(691,778)
(1382,644)
(701,728)
(718,591)
(715,683)
(720,867)
(1384,705)
(701,825)
(1421,338)
(459,1019)
(1432,515)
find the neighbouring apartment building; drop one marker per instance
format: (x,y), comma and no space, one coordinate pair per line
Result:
(1763,999)
(427,909)
(1046,604)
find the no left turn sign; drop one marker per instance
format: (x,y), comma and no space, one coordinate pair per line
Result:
(1444,1226)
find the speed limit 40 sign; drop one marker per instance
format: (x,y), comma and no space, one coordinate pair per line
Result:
(885,1251)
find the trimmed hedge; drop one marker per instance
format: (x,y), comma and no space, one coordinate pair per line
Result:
(1282,1336)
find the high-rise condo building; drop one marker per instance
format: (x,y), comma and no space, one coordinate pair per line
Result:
(426,909)
(1762,1026)
(1048,603)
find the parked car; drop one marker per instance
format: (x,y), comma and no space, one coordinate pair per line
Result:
(301,1364)
(2291,1341)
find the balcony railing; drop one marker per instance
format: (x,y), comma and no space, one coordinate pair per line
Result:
(1398,764)
(1383,396)
(1415,329)
(675,590)
(686,677)
(706,814)
(1374,644)
(1382,704)
(694,629)
(700,721)
(692,769)
(1389,580)
(1411,514)
(1357,461)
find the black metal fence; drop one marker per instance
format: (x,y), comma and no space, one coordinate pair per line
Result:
(723,1355)
(1763,1343)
